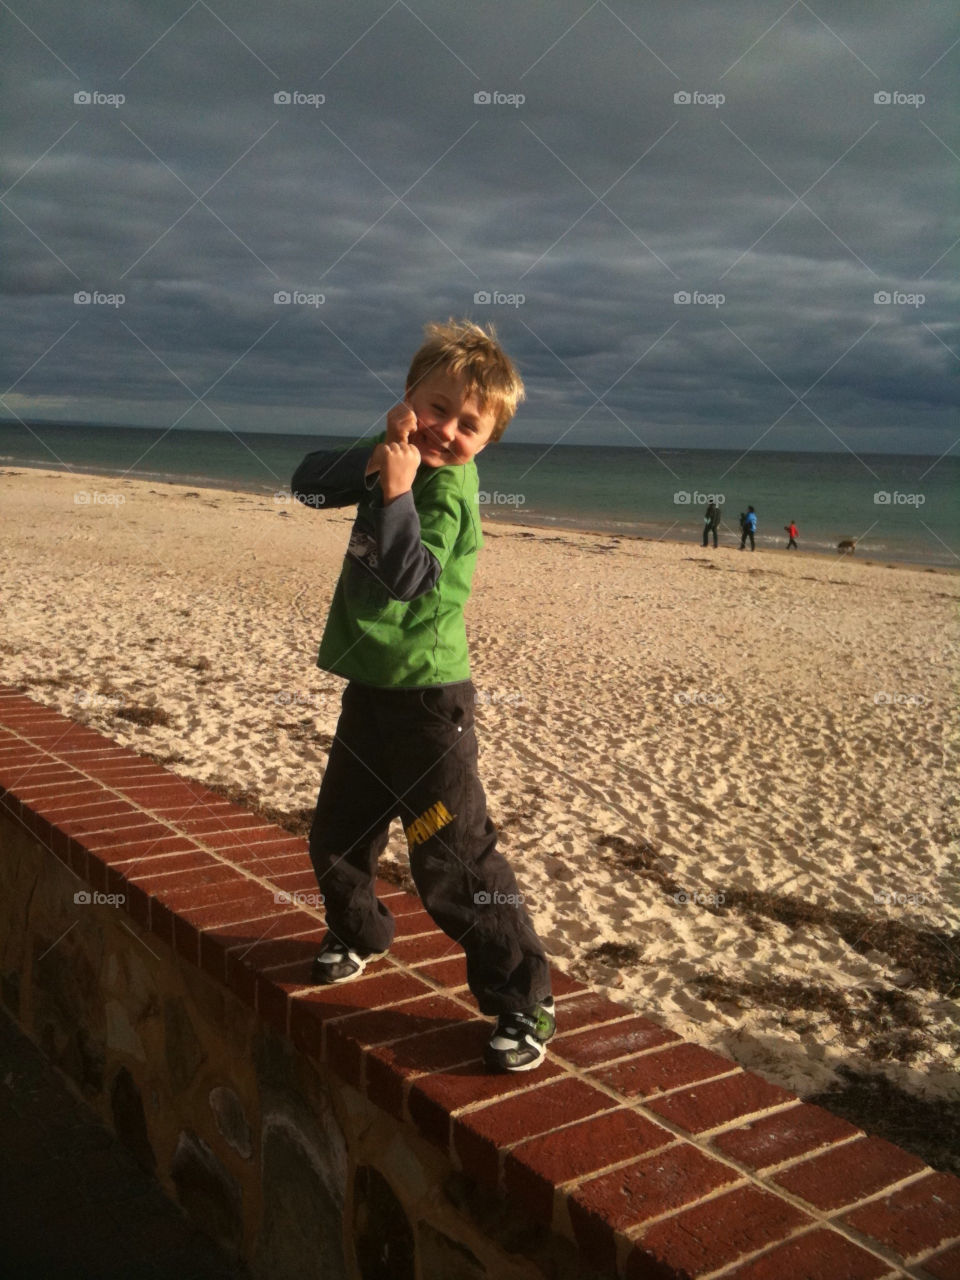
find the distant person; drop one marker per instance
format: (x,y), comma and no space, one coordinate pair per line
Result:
(749,528)
(711,522)
(791,528)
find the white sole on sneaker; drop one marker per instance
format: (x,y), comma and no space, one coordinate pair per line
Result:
(494,1049)
(529,1066)
(512,1038)
(329,958)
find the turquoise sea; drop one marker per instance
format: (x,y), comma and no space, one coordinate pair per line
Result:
(898,507)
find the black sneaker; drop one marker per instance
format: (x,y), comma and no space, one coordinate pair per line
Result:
(518,1040)
(335,962)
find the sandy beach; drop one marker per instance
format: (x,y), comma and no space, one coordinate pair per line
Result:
(722,777)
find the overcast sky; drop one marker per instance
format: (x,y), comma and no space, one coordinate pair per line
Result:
(796,199)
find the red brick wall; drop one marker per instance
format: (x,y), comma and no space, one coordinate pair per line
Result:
(657,1157)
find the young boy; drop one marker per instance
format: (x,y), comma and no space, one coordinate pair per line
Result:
(405,743)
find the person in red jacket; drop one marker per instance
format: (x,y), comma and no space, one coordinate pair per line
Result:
(791,528)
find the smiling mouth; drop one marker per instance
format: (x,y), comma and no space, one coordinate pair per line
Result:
(431,442)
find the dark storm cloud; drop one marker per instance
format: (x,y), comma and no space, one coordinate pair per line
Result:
(599,198)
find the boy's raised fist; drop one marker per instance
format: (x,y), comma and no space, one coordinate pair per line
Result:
(401,423)
(398,466)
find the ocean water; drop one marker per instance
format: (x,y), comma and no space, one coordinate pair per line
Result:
(898,507)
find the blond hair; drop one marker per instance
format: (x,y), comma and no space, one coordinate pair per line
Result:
(461,347)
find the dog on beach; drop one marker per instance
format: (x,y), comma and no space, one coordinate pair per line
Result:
(847,546)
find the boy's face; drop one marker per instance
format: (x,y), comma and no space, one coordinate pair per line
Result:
(452,428)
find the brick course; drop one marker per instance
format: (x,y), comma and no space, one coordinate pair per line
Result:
(915,1218)
(846,1174)
(819,1255)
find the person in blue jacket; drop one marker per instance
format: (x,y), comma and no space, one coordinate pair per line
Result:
(749,529)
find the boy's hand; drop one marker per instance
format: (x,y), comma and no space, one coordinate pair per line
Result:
(401,423)
(398,466)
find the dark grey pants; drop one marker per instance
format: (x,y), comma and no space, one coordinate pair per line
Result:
(412,754)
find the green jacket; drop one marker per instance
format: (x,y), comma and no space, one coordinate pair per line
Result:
(396,620)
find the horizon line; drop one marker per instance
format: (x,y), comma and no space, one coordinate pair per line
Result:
(218,431)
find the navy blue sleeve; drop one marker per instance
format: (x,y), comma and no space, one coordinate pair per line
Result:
(406,567)
(331,477)
(406,560)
